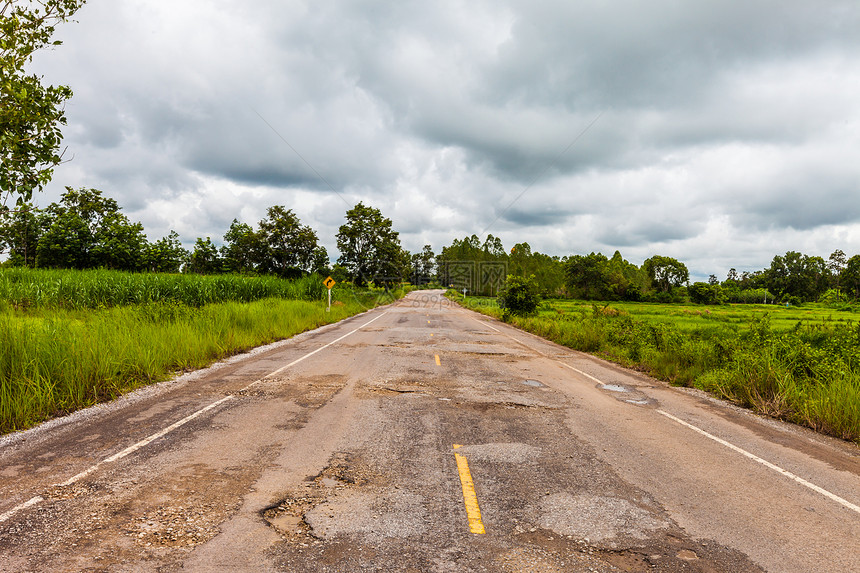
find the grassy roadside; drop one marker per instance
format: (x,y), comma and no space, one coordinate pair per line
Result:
(57,360)
(808,374)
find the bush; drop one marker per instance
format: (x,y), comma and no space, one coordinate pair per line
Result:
(519,296)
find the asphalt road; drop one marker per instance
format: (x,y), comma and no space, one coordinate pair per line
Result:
(387,442)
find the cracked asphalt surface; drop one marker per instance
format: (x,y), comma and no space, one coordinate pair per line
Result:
(345,462)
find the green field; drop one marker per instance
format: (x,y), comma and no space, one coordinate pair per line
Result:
(800,364)
(70,339)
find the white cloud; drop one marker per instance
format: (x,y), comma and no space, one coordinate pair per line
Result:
(729,131)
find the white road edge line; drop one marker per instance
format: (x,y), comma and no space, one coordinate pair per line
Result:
(765,463)
(131,449)
(578,371)
(755,458)
(17,508)
(485,324)
(294,362)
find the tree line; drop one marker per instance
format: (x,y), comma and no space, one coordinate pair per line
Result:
(86,230)
(481,266)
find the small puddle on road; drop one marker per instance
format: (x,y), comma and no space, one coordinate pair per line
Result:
(614,388)
(533,383)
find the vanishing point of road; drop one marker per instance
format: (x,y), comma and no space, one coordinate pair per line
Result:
(420,436)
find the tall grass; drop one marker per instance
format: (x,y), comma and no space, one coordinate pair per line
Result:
(71,289)
(56,361)
(70,339)
(807,374)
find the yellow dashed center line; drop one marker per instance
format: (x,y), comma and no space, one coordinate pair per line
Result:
(438,362)
(470,498)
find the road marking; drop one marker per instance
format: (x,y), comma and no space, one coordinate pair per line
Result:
(308,355)
(470,498)
(17,508)
(742,451)
(144,442)
(765,463)
(485,324)
(578,371)
(438,362)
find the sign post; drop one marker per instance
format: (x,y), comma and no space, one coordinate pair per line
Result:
(329,282)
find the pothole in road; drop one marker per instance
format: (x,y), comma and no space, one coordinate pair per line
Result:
(626,394)
(70,491)
(598,518)
(176,526)
(289,517)
(533,383)
(614,388)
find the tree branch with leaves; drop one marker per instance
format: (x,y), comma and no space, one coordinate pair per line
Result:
(30,113)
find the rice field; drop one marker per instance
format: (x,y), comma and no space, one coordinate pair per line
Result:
(800,364)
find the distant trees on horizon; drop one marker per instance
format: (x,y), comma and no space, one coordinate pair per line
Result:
(86,229)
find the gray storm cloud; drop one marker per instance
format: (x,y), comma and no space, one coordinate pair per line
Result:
(727,132)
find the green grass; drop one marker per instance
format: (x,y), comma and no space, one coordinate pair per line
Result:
(797,364)
(70,289)
(58,355)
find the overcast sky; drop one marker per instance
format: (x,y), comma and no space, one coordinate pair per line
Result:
(717,132)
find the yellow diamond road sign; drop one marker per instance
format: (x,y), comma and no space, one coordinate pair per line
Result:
(329,282)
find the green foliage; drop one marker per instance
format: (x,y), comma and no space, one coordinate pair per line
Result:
(481,268)
(288,248)
(665,272)
(850,276)
(705,293)
(797,275)
(519,296)
(749,296)
(30,113)
(20,230)
(166,255)
(370,249)
(56,361)
(86,230)
(204,259)
(242,249)
(806,371)
(423,267)
(594,277)
(93,289)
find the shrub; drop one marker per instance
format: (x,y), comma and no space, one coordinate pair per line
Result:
(519,296)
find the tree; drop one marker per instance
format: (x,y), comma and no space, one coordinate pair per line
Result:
(20,230)
(423,266)
(243,248)
(587,276)
(797,275)
(204,260)
(369,248)
(706,293)
(30,113)
(665,272)
(87,230)
(835,265)
(289,249)
(850,276)
(166,255)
